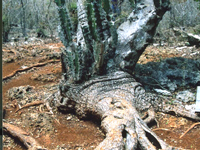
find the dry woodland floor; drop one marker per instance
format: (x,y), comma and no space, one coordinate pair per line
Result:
(31,73)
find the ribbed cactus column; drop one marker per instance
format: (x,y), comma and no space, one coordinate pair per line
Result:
(70,54)
(83,22)
(65,22)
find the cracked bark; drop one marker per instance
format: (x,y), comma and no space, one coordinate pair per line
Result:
(115,98)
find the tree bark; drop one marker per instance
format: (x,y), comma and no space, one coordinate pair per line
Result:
(117,101)
(24,19)
(97,78)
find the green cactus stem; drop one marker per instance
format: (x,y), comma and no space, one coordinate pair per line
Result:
(101,21)
(91,20)
(83,21)
(65,21)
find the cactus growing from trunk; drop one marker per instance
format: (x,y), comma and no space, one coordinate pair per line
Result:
(97,73)
(89,55)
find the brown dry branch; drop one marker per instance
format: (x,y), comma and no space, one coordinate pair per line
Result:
(40,109)
(28,68)
(189,129)
(30,104)
(23,136)
(160,129)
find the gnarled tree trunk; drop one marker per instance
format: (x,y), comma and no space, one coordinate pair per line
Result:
(97,70)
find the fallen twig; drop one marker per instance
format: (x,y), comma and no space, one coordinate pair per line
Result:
(189,129)
(160,129)
(30,104)
(23,136)
(57,120)
(40,109)
(28,68)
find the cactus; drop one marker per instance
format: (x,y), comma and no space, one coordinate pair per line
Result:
(96,29)
(115,98)
(65,22)
(101,20)
(83,21)
(106,6)
(91,20)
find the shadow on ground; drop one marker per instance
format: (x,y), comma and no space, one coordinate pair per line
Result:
(169,74)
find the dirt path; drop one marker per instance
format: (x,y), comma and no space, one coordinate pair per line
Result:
(66,131)
(69,133)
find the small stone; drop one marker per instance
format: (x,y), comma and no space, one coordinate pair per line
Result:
(163,92)
(69,118)
(23,67)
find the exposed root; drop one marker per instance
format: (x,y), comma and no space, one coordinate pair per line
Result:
(29,142)
(120,133)
(189,129)
(115,100)
(28,68)
(179,111)
(151,116)
(126,130)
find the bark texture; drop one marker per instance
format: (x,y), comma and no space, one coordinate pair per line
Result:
(116,100)
(97,77)
(100,46)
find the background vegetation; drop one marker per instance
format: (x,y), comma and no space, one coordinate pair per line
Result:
(22,17)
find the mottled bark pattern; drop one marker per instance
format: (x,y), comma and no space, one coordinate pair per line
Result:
(115,98)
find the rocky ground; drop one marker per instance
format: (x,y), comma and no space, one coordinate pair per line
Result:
(31,73)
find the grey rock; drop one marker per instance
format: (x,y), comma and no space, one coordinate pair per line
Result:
(19,92)
(163,92)
(185,96)
(33,52)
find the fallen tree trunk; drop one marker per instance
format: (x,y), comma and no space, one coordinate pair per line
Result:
(116,100)
(97,80)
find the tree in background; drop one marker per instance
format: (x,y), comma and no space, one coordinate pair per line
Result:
(97,65)
(23,19)
(184,14)
(6,27)
(6,19)
(25,15)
